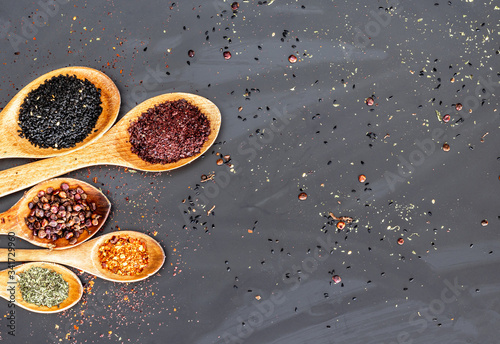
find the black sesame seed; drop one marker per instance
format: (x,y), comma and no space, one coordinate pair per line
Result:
(60,113)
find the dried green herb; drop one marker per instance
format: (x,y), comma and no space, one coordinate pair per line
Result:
(43,287)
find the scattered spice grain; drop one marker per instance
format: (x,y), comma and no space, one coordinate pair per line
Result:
(302,196)
(169,132)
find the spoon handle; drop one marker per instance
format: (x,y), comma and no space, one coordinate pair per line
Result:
(21,177)
(4,278)
(27,255)
(8,223)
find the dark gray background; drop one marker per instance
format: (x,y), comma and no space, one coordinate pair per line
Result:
(302,127)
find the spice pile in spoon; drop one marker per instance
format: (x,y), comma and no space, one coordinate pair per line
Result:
(60,113)
(169,132)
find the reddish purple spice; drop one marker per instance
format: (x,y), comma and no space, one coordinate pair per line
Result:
(169,132)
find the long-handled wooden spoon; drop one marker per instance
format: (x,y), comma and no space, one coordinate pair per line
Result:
(13,146)
(113,148)
(12,221)
(10,290)
(86,257)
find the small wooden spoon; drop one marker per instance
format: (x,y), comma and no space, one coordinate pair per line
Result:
(13,146)
(86,257)
(12,221)
(113,148)
(74,294)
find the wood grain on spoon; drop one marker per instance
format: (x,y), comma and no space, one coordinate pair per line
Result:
(12,221)
(75,291)
(85,257)
(12,145)
(113,148)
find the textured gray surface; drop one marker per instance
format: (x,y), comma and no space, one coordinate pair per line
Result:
(398,51)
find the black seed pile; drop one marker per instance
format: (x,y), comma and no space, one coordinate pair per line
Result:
(60,112)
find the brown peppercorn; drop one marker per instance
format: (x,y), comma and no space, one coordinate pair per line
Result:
(362,178)
(369,101)
(446,147)
(401,241)
(341,225)
(336,279)
(292,58)
(220,162)
(191,53)
(458,106)
(60,214)
(484,223)
(302,196)
(235,6)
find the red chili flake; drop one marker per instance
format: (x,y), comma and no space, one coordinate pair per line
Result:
(341,225)
(235,6)
(227,55)
(362,178)
(123,255)
(458,106)
(302,196)
(401,241)
(292,58)
(484,223)
(336,279)
(446,118)
(169,132)
(369,101)
(191,53)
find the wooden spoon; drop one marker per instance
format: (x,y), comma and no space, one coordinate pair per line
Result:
(86,257)
(74,294)
(12,221)
(13,146)
(113,148)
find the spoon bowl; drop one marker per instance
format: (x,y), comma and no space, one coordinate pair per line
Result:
(113,148)
(85,257)
(12,221)
(74,294)
(119,136)
(12,145)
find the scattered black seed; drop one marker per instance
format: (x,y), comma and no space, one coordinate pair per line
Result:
(61,112)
